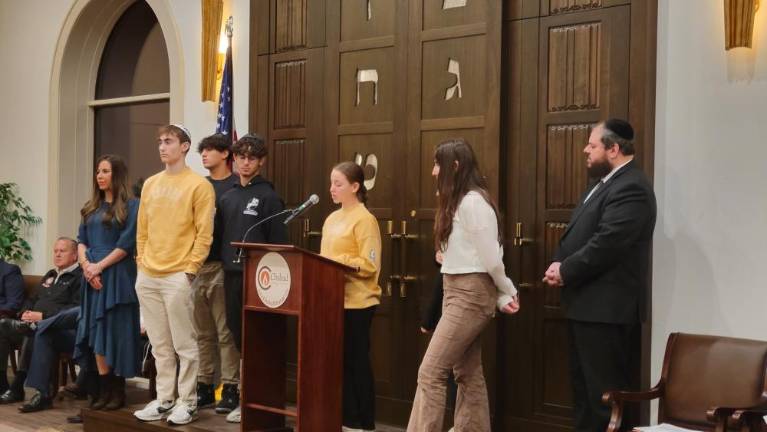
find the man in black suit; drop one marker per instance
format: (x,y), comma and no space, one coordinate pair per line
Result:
(11,289)
(602,266)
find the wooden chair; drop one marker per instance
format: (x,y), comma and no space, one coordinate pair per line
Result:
(65,367)
(705,381)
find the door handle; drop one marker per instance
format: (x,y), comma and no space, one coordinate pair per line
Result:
(390,231)
(518,240)
(392,278)
(404,234)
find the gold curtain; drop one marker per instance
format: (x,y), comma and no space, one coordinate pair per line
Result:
(212,11)
(739,18)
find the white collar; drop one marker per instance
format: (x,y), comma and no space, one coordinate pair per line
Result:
(608,176)
(67,270)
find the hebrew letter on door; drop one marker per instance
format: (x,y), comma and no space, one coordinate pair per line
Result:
(369,164)
(453,67)
(367,75)
(452,4)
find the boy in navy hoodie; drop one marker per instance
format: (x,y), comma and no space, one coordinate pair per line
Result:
(247,203)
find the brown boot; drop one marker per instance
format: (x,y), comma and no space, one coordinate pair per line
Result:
(118,394)
(105,392)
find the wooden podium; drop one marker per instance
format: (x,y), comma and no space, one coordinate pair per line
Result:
(281,281)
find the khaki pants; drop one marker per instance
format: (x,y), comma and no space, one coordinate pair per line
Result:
(167,308)
(456,345)
(212,332)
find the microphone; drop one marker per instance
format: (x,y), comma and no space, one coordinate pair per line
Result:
(238,259)
(313,199)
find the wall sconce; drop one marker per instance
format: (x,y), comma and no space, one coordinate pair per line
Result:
(739,23)
(223,44)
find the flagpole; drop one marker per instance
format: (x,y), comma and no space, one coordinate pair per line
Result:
(229,33)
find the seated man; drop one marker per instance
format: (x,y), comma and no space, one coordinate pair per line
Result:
(11,291)
(54,335)
(58,290)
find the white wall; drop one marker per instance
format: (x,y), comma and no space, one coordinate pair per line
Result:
(28,40)
(27,43)
(710,177)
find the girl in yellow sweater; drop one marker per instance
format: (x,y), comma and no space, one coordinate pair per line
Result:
(351,236)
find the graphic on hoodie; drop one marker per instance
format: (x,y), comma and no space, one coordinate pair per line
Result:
(250,209)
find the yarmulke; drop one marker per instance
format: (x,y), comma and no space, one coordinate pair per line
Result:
(622,128)
(183,128)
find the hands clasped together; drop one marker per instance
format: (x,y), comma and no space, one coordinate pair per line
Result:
(92,274)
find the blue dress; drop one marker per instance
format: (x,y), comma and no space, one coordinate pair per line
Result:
(109,318)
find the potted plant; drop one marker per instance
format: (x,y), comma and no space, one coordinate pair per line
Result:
(15,218)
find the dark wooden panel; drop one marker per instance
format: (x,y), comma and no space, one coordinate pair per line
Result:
(367,86)
(565,167)
(374,154)
(564,6)
(454,78)
(290,94)
(365,19)
(288,158)
(290,24)
(450,13)
(260,12)
(521,9)
(574,67)
(553,371)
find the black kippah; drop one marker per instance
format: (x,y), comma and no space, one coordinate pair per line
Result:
(622,128)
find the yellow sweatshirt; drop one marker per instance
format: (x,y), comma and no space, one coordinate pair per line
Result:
(351,236)
(175,223)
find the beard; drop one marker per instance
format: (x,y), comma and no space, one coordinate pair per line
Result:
(599,169)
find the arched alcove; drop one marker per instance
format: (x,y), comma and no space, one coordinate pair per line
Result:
(74,77)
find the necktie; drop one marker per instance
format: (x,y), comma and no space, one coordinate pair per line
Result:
(594,189)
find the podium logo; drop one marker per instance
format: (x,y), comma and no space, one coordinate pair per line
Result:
(273,280)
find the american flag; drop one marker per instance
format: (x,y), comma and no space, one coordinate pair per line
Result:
(225,122)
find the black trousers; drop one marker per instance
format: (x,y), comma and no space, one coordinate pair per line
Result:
(10,339)
(599,362)
(233,300)
(359,385)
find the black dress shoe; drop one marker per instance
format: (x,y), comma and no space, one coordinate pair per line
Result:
(37,403)
(10,396)
(75,419)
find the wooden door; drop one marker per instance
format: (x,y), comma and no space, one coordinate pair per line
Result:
(454,91)
(365,122)
(382,82)
(569,66)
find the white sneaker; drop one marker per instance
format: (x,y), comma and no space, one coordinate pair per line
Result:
(155,410)
(234,416)
(182,414)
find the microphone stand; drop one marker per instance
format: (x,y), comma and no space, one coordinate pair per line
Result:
(238,259)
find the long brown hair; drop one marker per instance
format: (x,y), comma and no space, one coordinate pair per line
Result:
(458,175)
(354,174)
(118,209)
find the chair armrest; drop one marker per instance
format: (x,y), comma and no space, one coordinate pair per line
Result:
(749,419)
(616,399)
(612,397)
(743,417)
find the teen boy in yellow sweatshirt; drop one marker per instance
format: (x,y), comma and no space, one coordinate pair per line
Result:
(173,237)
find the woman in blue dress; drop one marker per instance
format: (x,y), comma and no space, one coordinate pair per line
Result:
(109,318)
